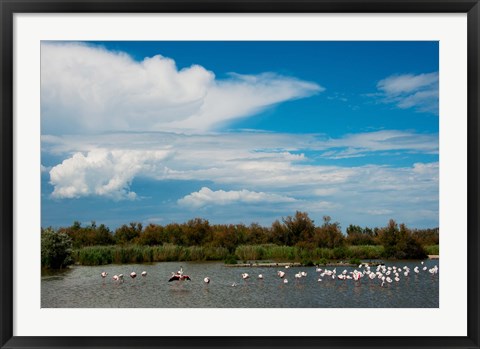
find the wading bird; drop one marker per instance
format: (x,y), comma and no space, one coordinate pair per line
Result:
(177,277)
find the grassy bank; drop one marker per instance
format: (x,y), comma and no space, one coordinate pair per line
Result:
(306,256)
(100,255)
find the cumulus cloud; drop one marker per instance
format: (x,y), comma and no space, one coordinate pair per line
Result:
(103,173)
(411,91)
(268,163)
(86,88)
(206,196)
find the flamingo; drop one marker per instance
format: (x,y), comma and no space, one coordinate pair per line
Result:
(115,277)
(206,280)
(177,277)
(260,276)
(281,274)
(285,281)
(104,274)
(144,273)
(245,276)
(133,275)
(298,276)
(303,273)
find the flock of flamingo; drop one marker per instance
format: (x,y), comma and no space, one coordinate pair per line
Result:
(385,275)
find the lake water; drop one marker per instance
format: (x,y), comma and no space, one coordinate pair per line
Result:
(83,287)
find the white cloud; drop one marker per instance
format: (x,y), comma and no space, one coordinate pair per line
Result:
(379,212)
(89,89)
(360,144)
(411,91)
(206,196)
(44,169)
(103,173)
(325,191)
(251,160)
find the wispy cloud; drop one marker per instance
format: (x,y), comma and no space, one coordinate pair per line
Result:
(89,89)
(411,91)
(362,144)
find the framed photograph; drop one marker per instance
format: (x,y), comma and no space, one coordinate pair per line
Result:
(239,174)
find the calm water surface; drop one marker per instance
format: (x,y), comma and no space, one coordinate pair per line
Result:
(83,287)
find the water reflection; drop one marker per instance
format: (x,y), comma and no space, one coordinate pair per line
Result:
(83,287)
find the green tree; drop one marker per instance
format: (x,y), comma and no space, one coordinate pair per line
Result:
(152,235)
(56,249)
(399,243)
(299,228)
(329,235)
(127,233)
(358,236)
(196,231)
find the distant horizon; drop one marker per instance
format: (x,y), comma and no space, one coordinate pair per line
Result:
(235,131)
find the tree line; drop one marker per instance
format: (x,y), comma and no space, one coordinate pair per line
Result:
(298,230)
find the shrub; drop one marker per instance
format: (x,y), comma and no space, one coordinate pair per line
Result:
(323,261)
(355,261)
(56,249)
(432,249)
(231,259)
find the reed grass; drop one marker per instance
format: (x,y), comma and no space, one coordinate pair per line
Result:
(432,249)
(101,255)
(297,254)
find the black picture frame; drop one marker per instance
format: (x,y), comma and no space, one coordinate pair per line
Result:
(7,177)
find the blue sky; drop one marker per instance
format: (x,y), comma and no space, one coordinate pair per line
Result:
(239,132)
